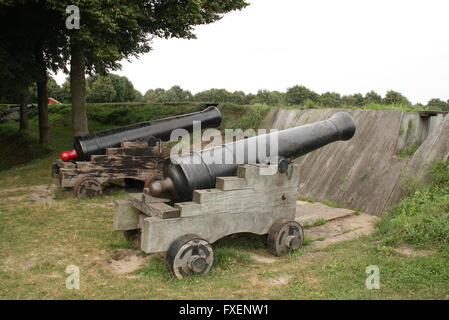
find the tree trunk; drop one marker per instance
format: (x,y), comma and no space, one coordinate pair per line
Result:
(78,89)
(42,95)
(23,111)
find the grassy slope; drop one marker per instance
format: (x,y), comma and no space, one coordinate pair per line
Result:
(40,240)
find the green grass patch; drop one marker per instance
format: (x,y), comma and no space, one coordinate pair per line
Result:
(306,199)
(331,204)
(408,151)
(422,218)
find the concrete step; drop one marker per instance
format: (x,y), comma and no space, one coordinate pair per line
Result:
(334,231)
(340,224)
(307,213)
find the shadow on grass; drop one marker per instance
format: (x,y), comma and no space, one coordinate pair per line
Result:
(19,148)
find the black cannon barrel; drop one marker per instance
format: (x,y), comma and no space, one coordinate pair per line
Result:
(96,143)
(198,170)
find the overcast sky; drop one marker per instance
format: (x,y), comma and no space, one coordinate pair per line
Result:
(346,46)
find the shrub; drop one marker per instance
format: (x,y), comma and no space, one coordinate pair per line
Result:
(422,218)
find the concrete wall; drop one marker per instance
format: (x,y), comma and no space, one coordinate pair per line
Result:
(364,173)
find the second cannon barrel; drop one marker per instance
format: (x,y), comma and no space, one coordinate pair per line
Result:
(96,143)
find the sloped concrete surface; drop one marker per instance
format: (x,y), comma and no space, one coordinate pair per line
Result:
(341,224)
(308,213)
(344,229)
(364,173)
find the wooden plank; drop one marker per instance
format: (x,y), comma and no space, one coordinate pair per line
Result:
(65,164)
(152,151)
(83,164)
(126,216)
(150,199)
(230,183)
(104,159)
(134,144)
(188,209)
(132,162)
(136,200)
(162,210)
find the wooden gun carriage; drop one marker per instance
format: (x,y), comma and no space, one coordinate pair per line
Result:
(202,197)
(134,162)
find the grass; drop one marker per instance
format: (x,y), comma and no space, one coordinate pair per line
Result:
(403,108)
(408,151)
(306,199)
(39,240)
(331,204)
(316,223)
(422,218)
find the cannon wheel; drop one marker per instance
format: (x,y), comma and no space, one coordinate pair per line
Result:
(189,255)
(87,188)
(150,179)
(285,236)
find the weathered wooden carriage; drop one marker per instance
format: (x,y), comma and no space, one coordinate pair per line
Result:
(250,202)
(134,162)
(134,152)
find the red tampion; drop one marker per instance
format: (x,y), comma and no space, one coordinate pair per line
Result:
(68,155)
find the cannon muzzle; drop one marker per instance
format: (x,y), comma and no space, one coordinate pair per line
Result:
(96,143)
(198,170)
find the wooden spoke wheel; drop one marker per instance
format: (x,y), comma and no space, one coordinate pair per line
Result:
(285,236)
(87,188)
(189,255)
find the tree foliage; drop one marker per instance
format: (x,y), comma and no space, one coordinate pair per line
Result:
(373,98)
(438,103)
(394,97)
(330,99)
(297,95)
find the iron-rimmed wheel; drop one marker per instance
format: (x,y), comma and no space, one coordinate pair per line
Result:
(285,236)
(87,188)
(189,255)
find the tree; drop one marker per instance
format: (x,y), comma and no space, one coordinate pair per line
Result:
(239,97)
(438,103)
(354,100)
(118,89)
(138,97)
(372,98)
(16,81)
(65,91)
(213,96)
(124,88)
(268,97)
(112,31)
(394,97)
(297,95)
(101,90)
(54,90)
(176,94)
(153,95)
(35,44)
(330,99)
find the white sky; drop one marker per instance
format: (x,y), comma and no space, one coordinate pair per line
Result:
(346,46)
